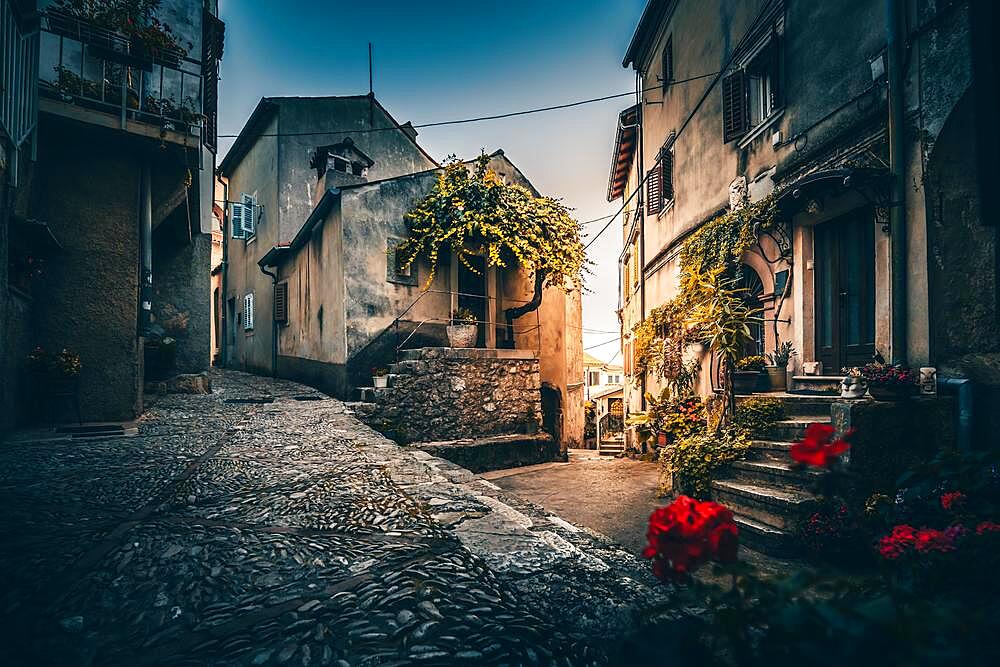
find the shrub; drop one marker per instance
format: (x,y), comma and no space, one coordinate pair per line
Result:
(758,412)
(754,363)
(693,459)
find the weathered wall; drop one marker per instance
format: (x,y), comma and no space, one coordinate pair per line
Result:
(449,394)
(87,193)
(182,302)
(277,170)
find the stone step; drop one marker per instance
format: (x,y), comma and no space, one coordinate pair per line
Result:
(611,448)
(778,508)
(496,452)
(782,476)
(411,367)
(770,450)
(371,394)
(818,383)
(792,429)
(797,405)
(767,539)
(361,408)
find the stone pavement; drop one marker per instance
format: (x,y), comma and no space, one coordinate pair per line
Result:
(270,530)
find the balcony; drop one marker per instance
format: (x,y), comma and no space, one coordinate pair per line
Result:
(95,75)
(18,76)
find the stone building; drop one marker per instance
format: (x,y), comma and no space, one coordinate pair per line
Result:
(314,293)
(114,196)
(871,121)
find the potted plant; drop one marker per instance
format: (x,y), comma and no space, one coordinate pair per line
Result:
(746,378)
(854,384)
(889,382)
(777,371)
(380,377)
(463,328)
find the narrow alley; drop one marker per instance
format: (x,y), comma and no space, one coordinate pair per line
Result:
(263,524)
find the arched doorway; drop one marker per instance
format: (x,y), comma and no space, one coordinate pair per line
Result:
(744,278)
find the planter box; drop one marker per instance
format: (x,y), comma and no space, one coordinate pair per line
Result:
(776,378)
(746,382)
(884,393)
(380,381)
(462,335)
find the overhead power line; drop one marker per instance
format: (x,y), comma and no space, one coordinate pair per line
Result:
(478,119)
(687,119)
(607,342)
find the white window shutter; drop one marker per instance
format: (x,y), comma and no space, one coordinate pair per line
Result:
(249,214)
(248,314)
(237,221)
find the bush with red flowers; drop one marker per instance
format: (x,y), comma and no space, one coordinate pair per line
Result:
(687,534)
(893,377)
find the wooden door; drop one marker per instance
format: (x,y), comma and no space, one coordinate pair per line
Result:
(844,274)
(472,293)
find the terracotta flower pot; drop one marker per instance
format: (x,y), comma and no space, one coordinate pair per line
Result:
(462,335)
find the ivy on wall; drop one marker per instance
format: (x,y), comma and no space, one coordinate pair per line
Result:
(661,339)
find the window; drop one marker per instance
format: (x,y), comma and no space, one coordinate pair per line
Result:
(281,303)
(751,94)
(593,378)
(626,277)
(396,270)
(248,312)
(244,217)
(635,265)
(660,179)
(667,75)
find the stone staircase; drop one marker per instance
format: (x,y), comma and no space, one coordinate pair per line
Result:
(768,495)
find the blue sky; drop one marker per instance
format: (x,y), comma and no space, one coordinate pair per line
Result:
(446,60)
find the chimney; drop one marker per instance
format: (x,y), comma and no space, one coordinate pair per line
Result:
(410,131)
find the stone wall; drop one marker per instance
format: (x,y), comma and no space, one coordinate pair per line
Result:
(439,394)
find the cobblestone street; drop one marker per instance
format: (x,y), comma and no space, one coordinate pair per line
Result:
(263,524)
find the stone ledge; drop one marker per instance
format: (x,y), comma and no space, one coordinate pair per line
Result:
(495,452)
(465,353)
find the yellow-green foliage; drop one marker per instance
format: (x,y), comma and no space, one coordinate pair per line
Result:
(472,211)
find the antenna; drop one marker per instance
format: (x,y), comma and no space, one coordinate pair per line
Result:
(371,88)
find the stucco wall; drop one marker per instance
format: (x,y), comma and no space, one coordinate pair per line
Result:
(182,297)
(86,190)
(277,169)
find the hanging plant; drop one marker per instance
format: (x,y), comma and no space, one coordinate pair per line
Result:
(134,19)
(471,211)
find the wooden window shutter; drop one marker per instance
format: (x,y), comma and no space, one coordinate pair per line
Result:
(667,177)
(654,191)
(734,106)
(281,303)
(237,221)
(249,214)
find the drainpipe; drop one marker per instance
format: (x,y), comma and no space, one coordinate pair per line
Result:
(146,243)
(226,235)
(897,209)
(963,388)
(274,322)
(641,203)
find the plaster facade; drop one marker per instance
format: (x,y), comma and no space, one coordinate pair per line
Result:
(825,117)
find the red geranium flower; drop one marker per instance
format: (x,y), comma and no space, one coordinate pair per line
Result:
(818,448)
(952,500)
(688,533)
(905,538)
(987,527)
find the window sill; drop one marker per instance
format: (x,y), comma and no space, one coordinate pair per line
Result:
(764,125)
(252,239)
(667,207)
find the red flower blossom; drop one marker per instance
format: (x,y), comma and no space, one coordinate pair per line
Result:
(686,534)
(905,538)
(987,527)
(818,448)
(952,500)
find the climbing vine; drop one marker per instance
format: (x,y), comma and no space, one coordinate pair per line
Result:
(472,211)
(661,339)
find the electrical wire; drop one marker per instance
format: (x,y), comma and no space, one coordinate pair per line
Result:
(607,342)
(477,119)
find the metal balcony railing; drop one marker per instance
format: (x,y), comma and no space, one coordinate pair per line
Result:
(18,81)
(95,68)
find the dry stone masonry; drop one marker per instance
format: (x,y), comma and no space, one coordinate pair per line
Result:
(441,394)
